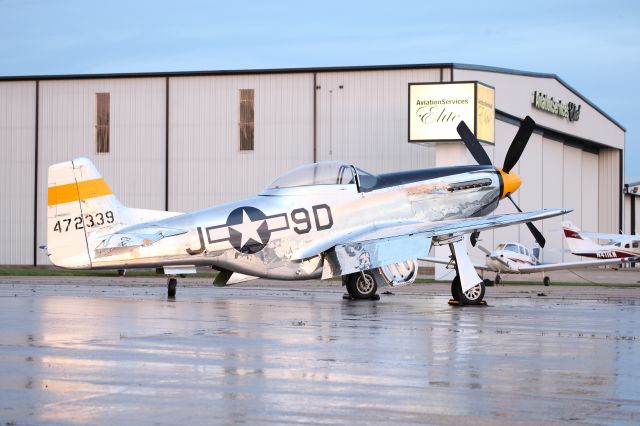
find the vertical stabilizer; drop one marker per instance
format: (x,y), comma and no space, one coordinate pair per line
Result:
(80,203)
(577,242)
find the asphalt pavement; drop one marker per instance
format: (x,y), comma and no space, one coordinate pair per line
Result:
(116,351)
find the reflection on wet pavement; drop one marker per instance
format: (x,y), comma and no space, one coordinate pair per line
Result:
(231,355)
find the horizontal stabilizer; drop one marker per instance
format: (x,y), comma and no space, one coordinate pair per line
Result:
(143,237)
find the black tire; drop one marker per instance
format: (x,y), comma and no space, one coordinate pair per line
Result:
(546,281)
(473,296)
(362,285)
(455,288)
(488,282)
(171,287)
(498,280)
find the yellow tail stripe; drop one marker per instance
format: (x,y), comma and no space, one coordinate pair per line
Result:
(78,191)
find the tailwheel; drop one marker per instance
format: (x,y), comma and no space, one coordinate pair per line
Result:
(473,296)
(362,285)
(172,283)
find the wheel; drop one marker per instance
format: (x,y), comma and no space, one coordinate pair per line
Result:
(473,296)
(171,287)
(362,285)
(498,280)
(546,281)
(455,288)
(488,282)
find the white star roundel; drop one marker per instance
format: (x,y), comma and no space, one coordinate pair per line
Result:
(248,229)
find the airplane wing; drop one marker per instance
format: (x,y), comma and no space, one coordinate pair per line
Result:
(614,238)
(394,243)
(576,265)
(448,261)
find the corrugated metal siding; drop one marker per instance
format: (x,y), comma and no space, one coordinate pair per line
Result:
(552,197)
(589,191)
(364,122)
(17,159)
(362,119)
(608,190)
(572,192)
(135,165)
(206,164)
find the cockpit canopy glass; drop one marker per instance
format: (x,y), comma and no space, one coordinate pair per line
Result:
(323,173)
(512,247)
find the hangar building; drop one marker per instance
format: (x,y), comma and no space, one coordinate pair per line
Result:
(183,141)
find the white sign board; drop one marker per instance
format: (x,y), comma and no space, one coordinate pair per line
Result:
(436,109)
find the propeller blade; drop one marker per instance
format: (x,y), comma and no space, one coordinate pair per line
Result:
(473,145)
(474,238)
(534,231)
(518,144)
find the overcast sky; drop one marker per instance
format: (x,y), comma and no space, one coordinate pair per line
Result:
(593,45)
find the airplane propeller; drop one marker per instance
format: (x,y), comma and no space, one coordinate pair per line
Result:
(510,180)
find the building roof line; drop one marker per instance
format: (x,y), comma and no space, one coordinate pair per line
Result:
(205,73)
(472,67)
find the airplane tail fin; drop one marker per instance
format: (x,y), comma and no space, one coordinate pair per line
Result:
(577,242)
(81,205)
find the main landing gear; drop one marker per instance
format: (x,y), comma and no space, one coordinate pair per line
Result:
(361,285)
(473,296)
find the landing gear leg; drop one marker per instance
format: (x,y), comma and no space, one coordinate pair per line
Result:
(172,283)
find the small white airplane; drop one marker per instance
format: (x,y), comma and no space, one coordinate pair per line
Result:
(618,246)
(323,220)
(515,258)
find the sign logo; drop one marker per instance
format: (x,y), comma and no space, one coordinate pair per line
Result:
(436,109)
(570,111)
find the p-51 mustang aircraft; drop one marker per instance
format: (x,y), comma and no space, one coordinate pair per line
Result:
(514,258)
(325,220)
(618,246)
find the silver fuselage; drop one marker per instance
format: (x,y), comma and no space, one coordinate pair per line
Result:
(287,219)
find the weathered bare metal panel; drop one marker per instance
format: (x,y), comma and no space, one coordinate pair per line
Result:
(17,166)
(361,256)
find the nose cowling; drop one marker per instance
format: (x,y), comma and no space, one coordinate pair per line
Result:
(510,182)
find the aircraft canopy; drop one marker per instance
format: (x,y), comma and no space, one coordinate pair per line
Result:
(323,173)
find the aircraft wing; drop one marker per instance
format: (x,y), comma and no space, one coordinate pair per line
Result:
(397,242)
(448,261)
(613,238)
(576,265)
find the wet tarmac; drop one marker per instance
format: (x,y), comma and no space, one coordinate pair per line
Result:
(251,354)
